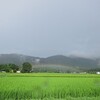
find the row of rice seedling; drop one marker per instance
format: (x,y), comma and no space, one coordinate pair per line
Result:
(50,75)
(28,88)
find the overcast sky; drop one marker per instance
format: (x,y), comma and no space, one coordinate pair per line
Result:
(49,27)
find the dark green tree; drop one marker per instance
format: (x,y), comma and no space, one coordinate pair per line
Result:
(14,67)
(9,67)
(26,67)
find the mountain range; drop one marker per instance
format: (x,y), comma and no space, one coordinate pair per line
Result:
(56,60)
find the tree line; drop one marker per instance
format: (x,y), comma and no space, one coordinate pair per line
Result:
(25,68)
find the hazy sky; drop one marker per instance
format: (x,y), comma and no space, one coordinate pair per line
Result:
(49,27)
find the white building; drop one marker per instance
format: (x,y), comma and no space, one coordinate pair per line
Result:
(18,72)
(97,72)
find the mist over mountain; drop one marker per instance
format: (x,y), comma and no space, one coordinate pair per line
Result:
(17,59)
(58,60)
(69,61)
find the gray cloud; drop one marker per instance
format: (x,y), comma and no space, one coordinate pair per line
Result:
(47,27)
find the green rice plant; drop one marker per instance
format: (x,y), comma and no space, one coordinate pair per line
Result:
(53,87)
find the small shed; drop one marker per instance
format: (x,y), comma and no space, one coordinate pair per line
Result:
(18,72)
(97,72)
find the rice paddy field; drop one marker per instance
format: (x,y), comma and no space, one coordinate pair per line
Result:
(49,86)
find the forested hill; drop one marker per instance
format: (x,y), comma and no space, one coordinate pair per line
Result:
(57,60)
(71,61)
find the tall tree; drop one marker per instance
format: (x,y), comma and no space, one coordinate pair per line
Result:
(26,67)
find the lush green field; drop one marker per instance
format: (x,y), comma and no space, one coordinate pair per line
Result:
(49,86)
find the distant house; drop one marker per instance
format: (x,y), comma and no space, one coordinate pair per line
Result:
(18,72)
(97,72)
(3,71)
